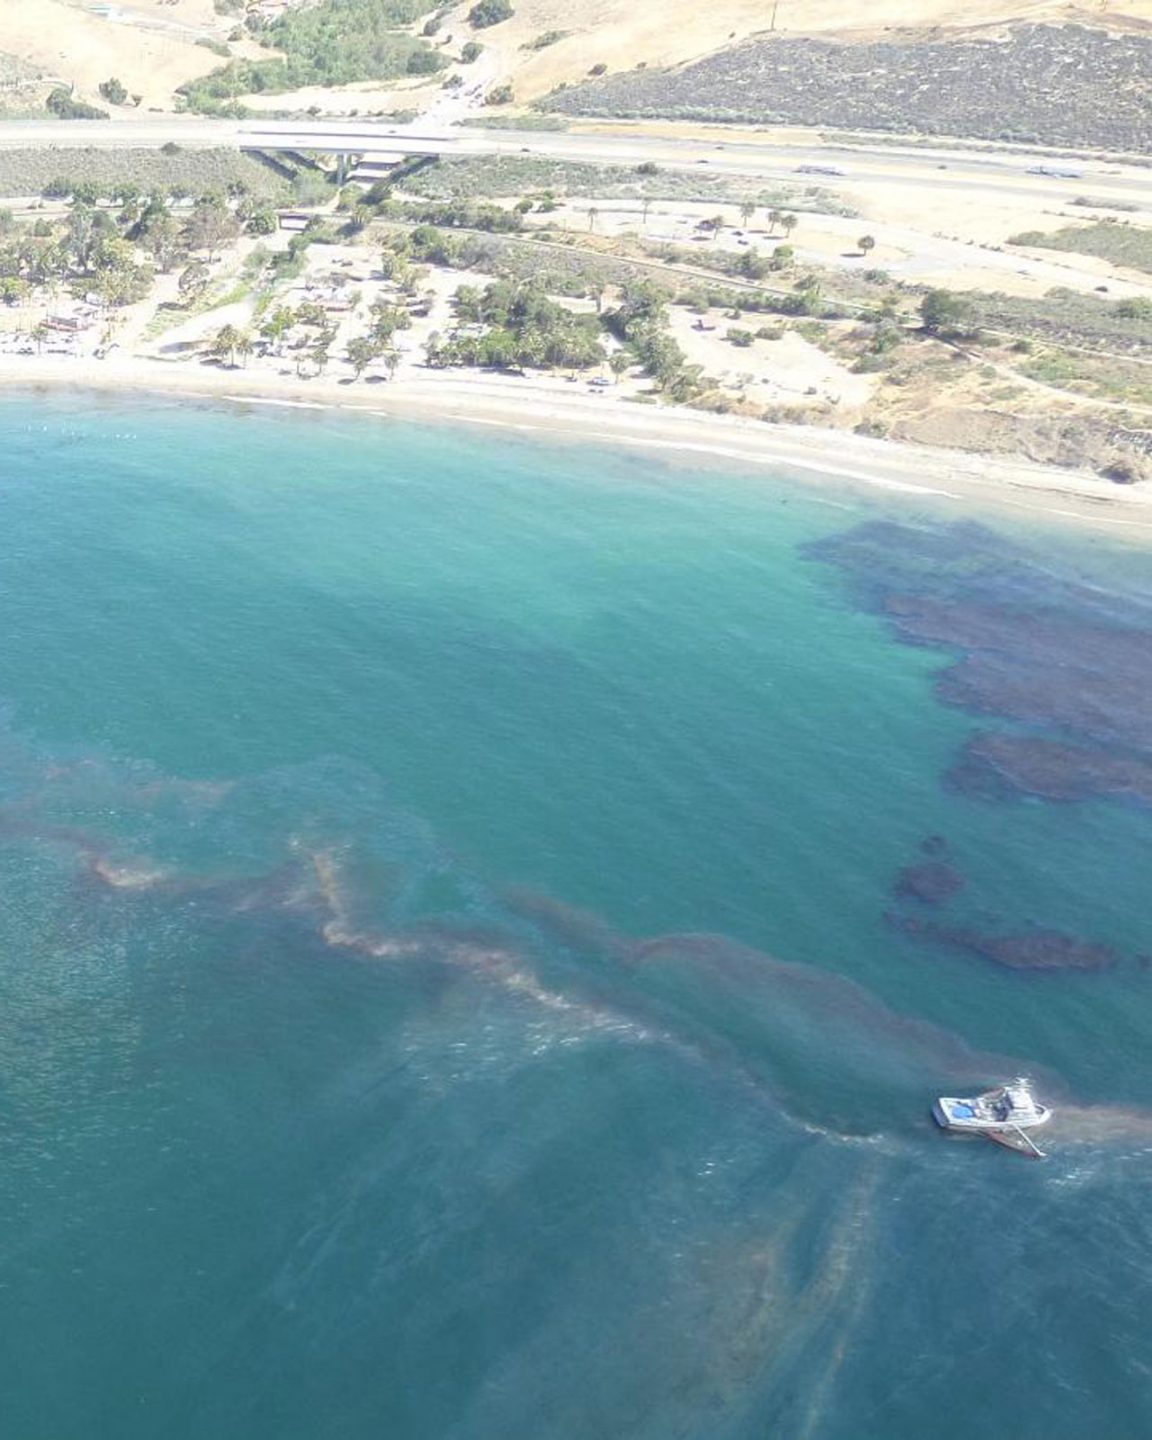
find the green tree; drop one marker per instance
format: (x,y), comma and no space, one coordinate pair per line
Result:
(470,52)
(14,289)
(210,225)
(944,313)
(747,210)
(160,236)
(788,222)
(619,362)
(865,244)
(80,233)
(362,350)
(319,354)
(277,326)
(113,91)
(224,344)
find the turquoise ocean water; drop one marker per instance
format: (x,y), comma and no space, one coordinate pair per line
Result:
(449,986)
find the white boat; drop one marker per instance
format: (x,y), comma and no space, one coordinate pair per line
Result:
(1008,1108)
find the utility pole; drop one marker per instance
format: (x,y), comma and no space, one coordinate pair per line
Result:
(775,7)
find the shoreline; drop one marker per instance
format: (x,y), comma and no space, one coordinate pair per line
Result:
(553,409)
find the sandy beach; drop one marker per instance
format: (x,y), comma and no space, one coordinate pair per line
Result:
(559,410)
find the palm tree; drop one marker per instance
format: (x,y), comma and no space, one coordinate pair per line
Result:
(866,243)
(277,326)
(618,362)
(747,210)
(645,205)
(319,354)
(717,224)
(775,218)
(391,361)
(593,216)
(225,343)
(244,346)
(362,350)
(789,222)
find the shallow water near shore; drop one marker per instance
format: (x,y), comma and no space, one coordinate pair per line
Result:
(454,977)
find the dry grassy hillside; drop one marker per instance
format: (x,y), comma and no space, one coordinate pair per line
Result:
(150,45)
(623,33)
(151,48)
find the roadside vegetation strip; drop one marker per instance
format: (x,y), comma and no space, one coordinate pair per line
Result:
(1120,243)
(191,172)
(465,176)
(1045,84)
(1066,318)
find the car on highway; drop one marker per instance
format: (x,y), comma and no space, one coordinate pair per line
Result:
(818,170)
(1053,174)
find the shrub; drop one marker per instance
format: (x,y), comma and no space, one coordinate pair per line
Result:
(64,107)
(870,364)
(470,51)
(944,313)
(490,12)
(500,95)
(113,91)
(542,42)
(424,62)
(599,68)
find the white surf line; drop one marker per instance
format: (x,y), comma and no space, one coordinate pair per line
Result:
(484,420)
(284,404)
(651,442)
(829,467)
(1099,519)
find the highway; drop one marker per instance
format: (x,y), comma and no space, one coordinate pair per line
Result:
(773,159)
